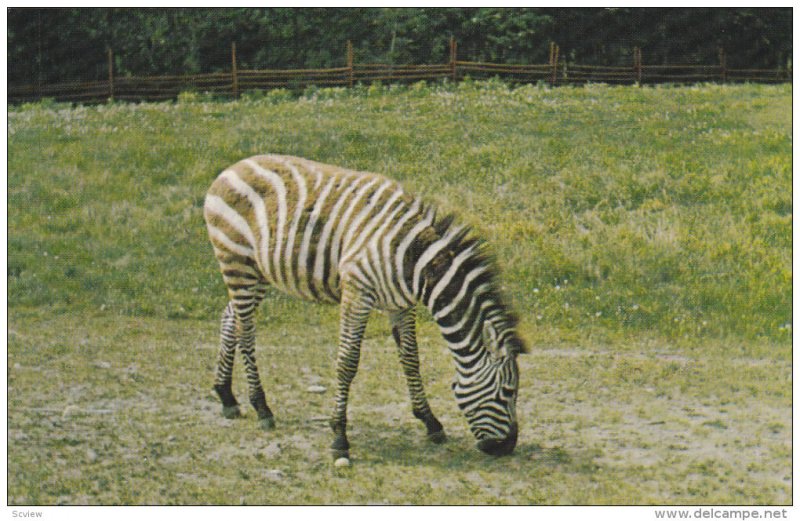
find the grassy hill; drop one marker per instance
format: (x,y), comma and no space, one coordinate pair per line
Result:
(645,240)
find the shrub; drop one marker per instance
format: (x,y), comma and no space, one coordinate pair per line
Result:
(278,95)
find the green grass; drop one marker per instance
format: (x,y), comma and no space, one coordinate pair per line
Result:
(645,240)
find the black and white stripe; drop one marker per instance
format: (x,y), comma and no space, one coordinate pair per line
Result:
(334,235)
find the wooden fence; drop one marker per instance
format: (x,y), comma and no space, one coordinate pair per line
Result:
(233,83)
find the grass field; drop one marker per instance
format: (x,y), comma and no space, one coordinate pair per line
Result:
(645,241)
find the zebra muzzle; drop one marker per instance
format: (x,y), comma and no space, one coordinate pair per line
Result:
(500,447)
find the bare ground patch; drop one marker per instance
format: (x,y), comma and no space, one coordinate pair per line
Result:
(114,410)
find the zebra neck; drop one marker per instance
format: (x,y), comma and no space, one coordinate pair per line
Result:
(457,282)
(461,300)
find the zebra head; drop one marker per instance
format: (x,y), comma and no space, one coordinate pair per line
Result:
(486,386)
(460,288)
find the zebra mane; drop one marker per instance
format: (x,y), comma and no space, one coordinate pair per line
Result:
(466,238)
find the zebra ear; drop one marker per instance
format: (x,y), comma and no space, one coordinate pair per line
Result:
(490,338)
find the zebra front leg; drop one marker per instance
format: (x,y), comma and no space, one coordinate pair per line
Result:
(354,313)
(405,335)
(244,309)
(225,358)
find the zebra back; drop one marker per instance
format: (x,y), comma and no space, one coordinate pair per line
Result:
(294,223)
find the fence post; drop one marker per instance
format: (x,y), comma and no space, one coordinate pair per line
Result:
(554,49)
(723,65)
(637,64)
(453,58)
(110,74)
(641,66)
(234,71)
(350,63)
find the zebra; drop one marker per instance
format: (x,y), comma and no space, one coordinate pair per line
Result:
(329,234)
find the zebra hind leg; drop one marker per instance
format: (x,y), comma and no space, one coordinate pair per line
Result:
(227,352)
(405,336)
(246,291)
(245,301)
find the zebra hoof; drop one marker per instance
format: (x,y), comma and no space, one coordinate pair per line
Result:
(437,437)
(267,424)
(341,463)
(231,411)
(340,454)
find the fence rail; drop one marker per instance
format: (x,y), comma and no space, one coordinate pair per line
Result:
(232,83)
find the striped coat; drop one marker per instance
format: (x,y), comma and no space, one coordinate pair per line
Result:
(330,234)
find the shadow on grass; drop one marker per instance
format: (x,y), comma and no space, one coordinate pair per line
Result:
(408,447)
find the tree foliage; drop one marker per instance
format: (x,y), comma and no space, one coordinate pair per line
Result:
(64,44)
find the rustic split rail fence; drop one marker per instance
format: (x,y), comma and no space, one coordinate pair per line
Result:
(233,83)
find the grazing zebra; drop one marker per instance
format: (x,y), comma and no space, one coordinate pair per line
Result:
(334,235)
